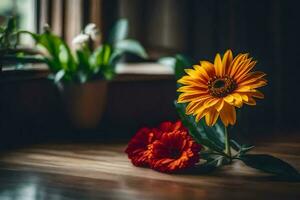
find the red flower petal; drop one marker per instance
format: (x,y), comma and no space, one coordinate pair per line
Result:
(170,127)
(139,147)
(174,152)
(168,148)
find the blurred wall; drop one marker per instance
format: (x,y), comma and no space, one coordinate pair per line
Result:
(267,29)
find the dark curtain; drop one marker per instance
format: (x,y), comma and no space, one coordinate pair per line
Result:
(267,29)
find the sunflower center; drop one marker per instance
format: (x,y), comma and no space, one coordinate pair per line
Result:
(219,83)
(221,86)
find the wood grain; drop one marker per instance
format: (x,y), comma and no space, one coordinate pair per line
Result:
(102,171)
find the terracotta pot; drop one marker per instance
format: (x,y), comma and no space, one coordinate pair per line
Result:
(84,103)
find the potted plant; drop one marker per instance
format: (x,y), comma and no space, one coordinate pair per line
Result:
(82,75)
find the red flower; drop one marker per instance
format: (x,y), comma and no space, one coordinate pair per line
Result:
(170,127)
(168,148)
(139,147)
(174,151)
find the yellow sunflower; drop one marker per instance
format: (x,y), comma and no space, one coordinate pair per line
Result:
(215,89)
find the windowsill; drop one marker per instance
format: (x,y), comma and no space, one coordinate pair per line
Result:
(125,72)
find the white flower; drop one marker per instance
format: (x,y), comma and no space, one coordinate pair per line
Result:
(80,39)
(91,27)
(92,30)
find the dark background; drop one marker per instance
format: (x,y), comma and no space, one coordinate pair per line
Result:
(31,110)
(267,29)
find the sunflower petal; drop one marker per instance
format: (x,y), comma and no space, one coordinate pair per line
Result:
(257,84)
(244,97)
(237,97)
(228,114)
(191,88)
(219,105)
(211,102)
(254,93)
(191,72)
(187,80)
(258,94)
(211,117)
(242,66)
(244,89)
(208,67)
(218,66)
(227,59)
(245,70)
(191,107)
(237,103)
(229,98)
(236,63)
(251,101)
(202,72)
(186,97)
(251,76)
(200,113)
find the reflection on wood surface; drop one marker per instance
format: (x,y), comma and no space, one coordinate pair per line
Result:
(98,171)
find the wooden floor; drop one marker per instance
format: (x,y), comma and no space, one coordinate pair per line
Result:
(102,171)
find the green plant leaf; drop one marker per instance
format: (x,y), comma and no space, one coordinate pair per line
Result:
(178,62)
(182,62)
(131,46)
(59,75)
(63,55)
(115,57)
(246,148)
(83,61)
(200,131)
(235,145)
(269,164)
(102,55)
(168,61)
(8,34)
(106,54)
(11,25)
(215,133)
(118,32)
(216,162)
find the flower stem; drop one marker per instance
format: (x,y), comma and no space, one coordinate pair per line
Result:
(227,144)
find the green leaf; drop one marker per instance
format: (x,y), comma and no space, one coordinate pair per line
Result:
(8,37)
(83,77)
(209,155)
(182,62)
(269,164)
(11,25)
(215,162)
(63,55)
(215,133)
(200,131)
(168,61)
(115,57)
(102,55)
(131,46)
(179,62)
(59,75)
(246,148)
(118,32)
(83,61)
(106,54)
(235,145)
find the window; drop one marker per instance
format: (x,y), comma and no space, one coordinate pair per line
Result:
(24,11)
